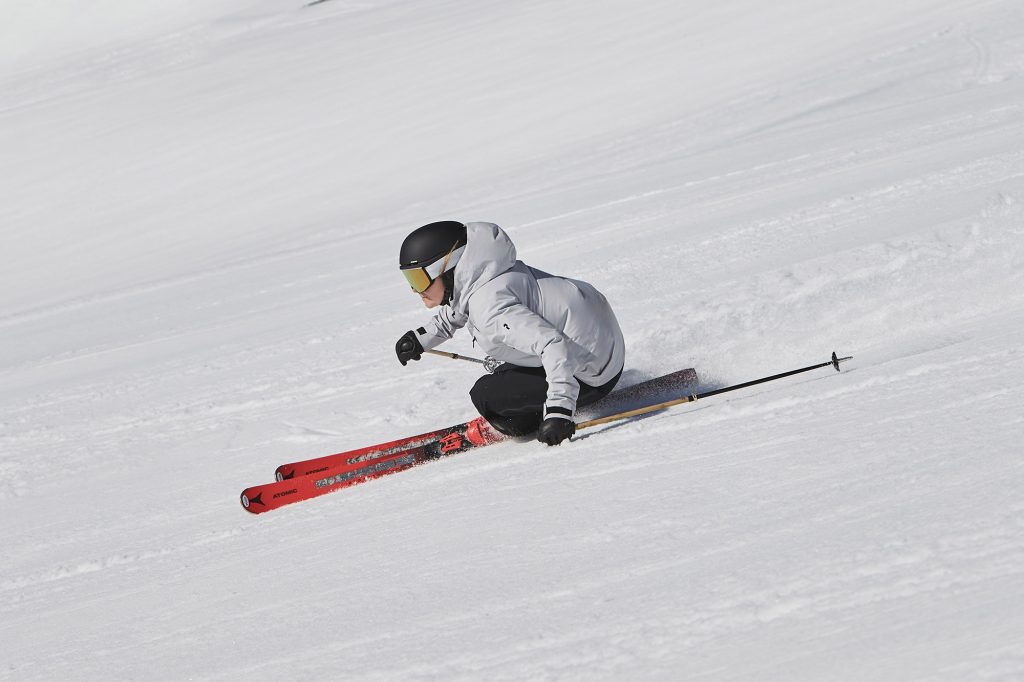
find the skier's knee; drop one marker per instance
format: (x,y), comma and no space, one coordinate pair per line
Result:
(478,394)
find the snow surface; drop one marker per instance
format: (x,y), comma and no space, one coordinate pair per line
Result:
(200,214)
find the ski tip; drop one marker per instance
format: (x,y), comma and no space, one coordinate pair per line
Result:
(283,474)
(253,504)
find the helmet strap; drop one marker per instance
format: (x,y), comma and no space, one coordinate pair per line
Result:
(448,279)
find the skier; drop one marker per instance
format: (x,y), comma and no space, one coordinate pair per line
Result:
(558,339)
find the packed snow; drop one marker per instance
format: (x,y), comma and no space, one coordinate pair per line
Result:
(201,209)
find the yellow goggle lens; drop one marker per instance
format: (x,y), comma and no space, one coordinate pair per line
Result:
(418,279)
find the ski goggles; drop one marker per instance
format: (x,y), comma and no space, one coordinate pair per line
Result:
(420,277)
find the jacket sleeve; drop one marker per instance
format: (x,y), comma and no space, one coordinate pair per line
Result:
(516,326)
(441,328)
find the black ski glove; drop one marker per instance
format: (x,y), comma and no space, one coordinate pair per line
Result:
(555,429)
(408,348)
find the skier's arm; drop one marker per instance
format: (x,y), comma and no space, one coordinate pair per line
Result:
(513,324)
(441,328)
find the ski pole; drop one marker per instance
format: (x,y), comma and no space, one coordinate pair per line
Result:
(834,362)
(454,356)
(490,364)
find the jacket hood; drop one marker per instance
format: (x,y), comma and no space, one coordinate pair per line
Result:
(489,252)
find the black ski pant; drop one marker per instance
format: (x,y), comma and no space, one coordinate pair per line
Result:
(512,399)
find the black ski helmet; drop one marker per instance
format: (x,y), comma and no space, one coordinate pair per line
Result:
(440,245)
(430,243)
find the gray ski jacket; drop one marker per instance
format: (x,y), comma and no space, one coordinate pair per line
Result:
(527,317)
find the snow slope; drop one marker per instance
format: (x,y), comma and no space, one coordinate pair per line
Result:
(201,206)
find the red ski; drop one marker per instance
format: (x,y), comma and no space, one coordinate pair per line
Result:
(476,430)
(314,477)
(645,392)
(362,467)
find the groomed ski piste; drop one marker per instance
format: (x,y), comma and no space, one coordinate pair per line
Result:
(201,207)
